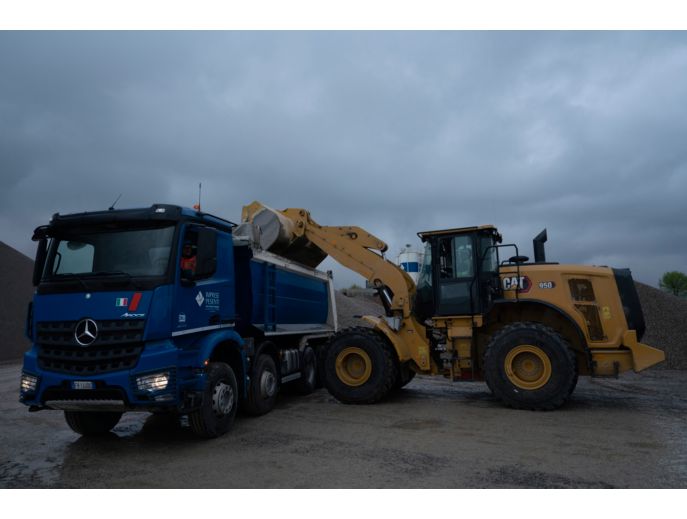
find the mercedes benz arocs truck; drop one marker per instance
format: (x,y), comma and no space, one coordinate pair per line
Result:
(168,310)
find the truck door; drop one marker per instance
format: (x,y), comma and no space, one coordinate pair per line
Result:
(204,281)
(456,291)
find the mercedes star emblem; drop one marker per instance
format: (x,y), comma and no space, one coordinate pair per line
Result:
(86,332)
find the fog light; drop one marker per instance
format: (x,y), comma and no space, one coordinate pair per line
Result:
(154,382)
(28,383)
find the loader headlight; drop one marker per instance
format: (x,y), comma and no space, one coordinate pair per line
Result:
(28,383)
(153,382)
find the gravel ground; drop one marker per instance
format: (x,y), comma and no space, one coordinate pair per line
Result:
(620,433)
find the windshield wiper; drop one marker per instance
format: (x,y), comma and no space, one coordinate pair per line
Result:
(111,273)
(74,276)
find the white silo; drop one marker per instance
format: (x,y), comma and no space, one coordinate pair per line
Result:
(411,261)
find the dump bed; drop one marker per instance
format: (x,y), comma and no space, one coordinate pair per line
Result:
(280,296)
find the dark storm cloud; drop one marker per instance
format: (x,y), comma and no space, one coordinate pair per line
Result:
(582,133)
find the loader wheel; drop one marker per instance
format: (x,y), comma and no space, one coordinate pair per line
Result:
(405,376)
(263,388)
(218,407)
(530,366)
(359,367)
(91,423)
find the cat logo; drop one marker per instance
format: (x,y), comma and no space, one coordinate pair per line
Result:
(519,283)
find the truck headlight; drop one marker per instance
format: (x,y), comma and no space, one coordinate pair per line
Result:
(153,382)
(28,383)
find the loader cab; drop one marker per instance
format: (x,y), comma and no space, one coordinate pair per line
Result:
(459,275)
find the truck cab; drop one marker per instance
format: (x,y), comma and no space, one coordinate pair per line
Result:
(167,310)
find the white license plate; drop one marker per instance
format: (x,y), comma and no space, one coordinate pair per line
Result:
(82,384)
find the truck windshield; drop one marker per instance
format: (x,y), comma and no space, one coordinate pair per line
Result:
(103,252)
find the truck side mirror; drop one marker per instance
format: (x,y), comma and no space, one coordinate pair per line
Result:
(206,256)
(38,266)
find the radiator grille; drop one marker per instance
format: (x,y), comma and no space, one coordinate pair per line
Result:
(117,347)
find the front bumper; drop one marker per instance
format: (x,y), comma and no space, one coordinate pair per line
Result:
(634,356)
(118,390)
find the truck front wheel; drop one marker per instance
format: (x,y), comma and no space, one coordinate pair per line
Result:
(91,423)
(360,367)
(218,407)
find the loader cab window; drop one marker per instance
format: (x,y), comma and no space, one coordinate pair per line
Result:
(459,276)
(462,252)
(423,307)
(456,265)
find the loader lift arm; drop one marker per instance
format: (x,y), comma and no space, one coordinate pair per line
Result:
(352,247)
(293,233)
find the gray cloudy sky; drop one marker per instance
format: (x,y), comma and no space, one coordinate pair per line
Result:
(398,132)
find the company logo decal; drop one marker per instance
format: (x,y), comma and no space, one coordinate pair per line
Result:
(200,299)
(212,301)
(86,332)
(182,318)
(519,283)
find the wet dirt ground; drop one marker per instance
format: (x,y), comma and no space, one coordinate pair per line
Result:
(630,432)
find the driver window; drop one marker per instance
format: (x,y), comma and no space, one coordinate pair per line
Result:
(445,259)
(462,251)
(189,247)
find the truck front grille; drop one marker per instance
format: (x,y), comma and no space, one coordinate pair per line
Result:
(117,346)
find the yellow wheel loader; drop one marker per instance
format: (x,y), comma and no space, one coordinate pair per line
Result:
(480,311)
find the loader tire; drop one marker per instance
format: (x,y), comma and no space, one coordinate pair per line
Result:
(218,406)
(405,377)
(530,366)
(360,367)
(91,423)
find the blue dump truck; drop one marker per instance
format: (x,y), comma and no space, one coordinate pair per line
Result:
(168,310)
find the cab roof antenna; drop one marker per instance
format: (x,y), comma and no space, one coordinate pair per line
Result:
(197,206)
(111,208)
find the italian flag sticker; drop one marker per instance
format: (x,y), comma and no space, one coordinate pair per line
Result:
(122,301)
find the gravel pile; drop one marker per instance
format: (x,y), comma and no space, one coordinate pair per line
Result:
(666,324)
(16,291)
(359,304)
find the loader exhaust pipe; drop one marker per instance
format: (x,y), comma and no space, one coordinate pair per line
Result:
(538,244)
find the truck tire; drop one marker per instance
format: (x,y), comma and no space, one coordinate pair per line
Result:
(308,381)
(530,366)
(91,423)
(360,367)
(263,388)
(218,406)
